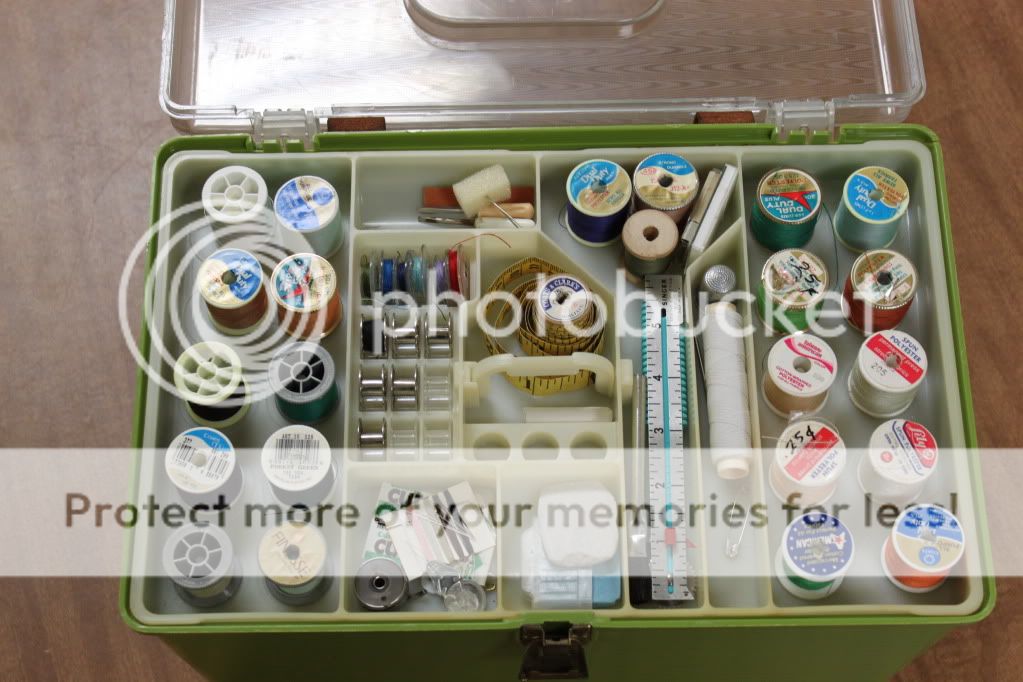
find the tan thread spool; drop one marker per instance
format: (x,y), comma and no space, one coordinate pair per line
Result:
(798,375)
(231,284)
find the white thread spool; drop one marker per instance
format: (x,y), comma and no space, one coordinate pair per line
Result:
(727,391)
(889,369)
(293,559)
(901,458)
(199,559)
(202,465)
(308,211)
(808,461)
(483,188)
(799,373)
(297,463)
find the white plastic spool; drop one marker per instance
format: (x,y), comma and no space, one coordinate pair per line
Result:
(199,559)
(297,462)
(901,458)
(808,462)
(232,197)
(209,378)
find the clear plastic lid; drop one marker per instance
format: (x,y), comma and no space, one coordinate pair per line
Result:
(477,63)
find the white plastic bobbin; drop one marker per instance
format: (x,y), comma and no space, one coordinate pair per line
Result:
(298,464)
(209,378)
(308,211)
(889,369)
(202,465)
(235,195)
(800,371)
(293,559)
(901,458)
(808,461)
(199,559)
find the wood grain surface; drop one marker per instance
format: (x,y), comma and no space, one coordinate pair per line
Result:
(80,124)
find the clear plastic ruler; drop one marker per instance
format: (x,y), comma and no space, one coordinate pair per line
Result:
(667,416)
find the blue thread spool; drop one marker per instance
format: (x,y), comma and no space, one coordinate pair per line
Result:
(873,203)
(786,209)
(599,196)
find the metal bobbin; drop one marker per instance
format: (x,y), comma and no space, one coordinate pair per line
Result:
(403,338)
(372,436)
(374,341)
(437,338)
(403,387)
(381,584)
(372,388)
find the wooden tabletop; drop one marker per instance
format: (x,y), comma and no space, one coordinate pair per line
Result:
(80,126)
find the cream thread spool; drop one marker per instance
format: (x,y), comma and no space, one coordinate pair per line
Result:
(666,183)
(925,545)
(816,552)
(233,197)
(308,211)
(727,391)
(210,379)
(901,458)
(798,376)
(298,465)
(889,370)
(808,462)
(199,559)
(293,560)
(202,465)
(650,239)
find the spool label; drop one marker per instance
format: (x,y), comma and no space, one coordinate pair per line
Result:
(306,203)
(877,194)
(666,181)
(884,278)
(599,188)
(789,196)
(802,365)
(795,277)
(929,538)
(296,458)
(292,554)
(819,546)
(230,278)
(903,451)
(304,282)
(893,359)
(200,460)
(811,452)
(563,299)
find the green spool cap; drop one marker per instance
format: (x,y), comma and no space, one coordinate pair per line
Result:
(301,376)
(792,286)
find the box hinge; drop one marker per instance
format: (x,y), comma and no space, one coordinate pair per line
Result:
(286,127)
(554,651)
(810,116)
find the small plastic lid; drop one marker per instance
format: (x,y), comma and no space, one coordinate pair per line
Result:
(478,63)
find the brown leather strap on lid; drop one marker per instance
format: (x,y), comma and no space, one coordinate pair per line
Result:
(724,117)
(355,124)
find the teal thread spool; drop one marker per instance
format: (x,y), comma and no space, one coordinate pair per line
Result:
(785,212)
(301,376)
(874,201)
(792,287)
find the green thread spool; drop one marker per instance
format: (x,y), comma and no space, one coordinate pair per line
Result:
(816,552)
(301,376)
(792,286)
(874,201)
(786,209)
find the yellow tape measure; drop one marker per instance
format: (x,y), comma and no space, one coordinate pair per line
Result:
(560,316)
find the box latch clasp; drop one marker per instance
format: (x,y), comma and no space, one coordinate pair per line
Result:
(554,651)
(286,127)
(809,116)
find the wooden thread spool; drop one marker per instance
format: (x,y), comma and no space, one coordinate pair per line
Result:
(889,370)
(650,239)
(808,462)
(304,287)
(798,375)
(666,183)
(231,284)
(879,290)
(901,458)
(923,548)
